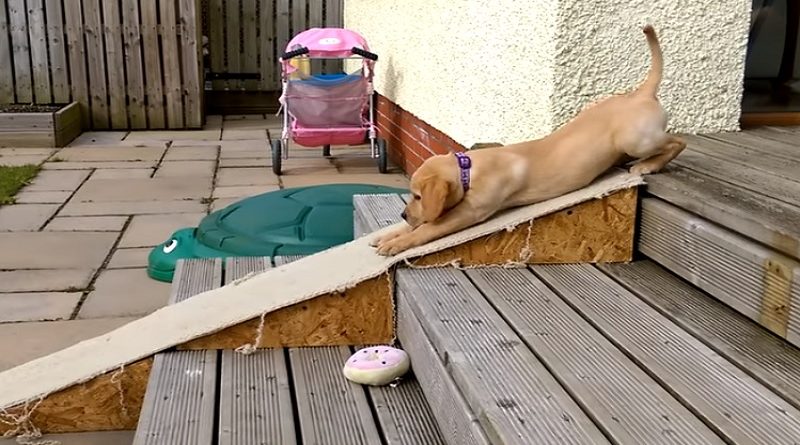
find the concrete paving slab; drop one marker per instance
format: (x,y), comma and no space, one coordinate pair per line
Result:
(98,138)
(192,143)
(105,154)
(86,224)
(32,197)
(258,145)
(221,203)
(244,154)
(34,340)
(129,258)
(124,293)
(23,250)
(297,168)
(94,438)
(131,208)
(201,153)
(245,124)
(227,177)
(96,165)
(149,230)
(239,135)
(143,143)
(246,162)
(312,179)
(244,191)
(37,306)
(53,181)
(126,190)
(25,217)
(27,151)
(122,173)
(202,135)
(186,169)
(45,280)
(16,161)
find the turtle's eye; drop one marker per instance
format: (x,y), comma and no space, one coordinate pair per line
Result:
(169,247)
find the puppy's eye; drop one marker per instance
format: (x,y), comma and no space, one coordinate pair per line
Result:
(417,197)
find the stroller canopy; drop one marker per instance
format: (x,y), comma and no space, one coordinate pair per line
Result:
(328,42)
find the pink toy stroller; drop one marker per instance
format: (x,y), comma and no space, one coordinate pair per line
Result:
(325,109)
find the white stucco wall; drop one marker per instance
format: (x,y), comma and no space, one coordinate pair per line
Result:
(511,70)
(473,72)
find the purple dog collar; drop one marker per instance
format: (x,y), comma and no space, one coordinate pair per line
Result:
(464,164)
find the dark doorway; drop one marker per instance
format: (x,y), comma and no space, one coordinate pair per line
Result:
(772,71)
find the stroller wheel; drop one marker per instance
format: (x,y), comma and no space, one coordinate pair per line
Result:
(382,155)
(326,150)
(276,156)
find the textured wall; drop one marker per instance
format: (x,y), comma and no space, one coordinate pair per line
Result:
(600,50)
(475,70)
(507,71)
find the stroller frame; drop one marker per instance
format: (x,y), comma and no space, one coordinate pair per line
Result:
(280,148)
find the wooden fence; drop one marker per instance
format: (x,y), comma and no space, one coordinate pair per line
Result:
(247,36)
(129,63)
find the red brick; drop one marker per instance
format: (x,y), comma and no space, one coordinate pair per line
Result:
(411,140)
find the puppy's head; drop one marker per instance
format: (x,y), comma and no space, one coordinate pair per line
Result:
(435,189)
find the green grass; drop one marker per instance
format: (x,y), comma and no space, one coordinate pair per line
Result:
(14,178)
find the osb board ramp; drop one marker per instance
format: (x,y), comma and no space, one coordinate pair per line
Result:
(362,314)
(597,231)
(336,269)
(106,403)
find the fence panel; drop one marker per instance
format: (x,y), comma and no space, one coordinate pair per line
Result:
(130,64)
(246,37)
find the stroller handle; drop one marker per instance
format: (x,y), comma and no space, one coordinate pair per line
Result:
(298,52)
(365,54)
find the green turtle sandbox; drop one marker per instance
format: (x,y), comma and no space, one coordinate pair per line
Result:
(296,221)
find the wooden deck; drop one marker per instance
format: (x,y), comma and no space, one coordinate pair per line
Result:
(695,342)
(274,396)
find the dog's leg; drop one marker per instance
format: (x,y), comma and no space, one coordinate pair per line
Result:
(391,235)
(460,217)
(669,151)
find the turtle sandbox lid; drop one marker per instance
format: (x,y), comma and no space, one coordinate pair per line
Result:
(37,126)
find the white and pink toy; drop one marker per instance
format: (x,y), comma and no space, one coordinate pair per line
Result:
(377,365)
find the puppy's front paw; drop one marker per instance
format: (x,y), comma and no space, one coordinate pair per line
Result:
(642,169)
(395,245)
(378,240)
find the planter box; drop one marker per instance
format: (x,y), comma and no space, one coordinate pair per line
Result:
(35,126)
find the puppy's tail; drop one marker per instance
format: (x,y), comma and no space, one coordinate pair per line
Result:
(653,80)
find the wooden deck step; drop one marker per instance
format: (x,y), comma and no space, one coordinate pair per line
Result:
(630,352)
(181,392)
(332,410)
(278,395)
(450,409)
(513,395)
(741,175)
(255,396)
(372,212)
(728,399)
(764,219)
(786,149)
(754,280)
(767,358)
(629,405)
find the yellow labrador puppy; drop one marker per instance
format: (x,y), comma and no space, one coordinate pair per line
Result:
(453,192)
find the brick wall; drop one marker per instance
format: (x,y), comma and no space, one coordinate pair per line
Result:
(410,139)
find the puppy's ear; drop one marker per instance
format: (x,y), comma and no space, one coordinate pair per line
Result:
(433,194)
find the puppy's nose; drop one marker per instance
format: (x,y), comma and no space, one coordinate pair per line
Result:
(403,215)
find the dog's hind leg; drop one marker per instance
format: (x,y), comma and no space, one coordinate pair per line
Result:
(668,151)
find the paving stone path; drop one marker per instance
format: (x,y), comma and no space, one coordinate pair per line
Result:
(73,250)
